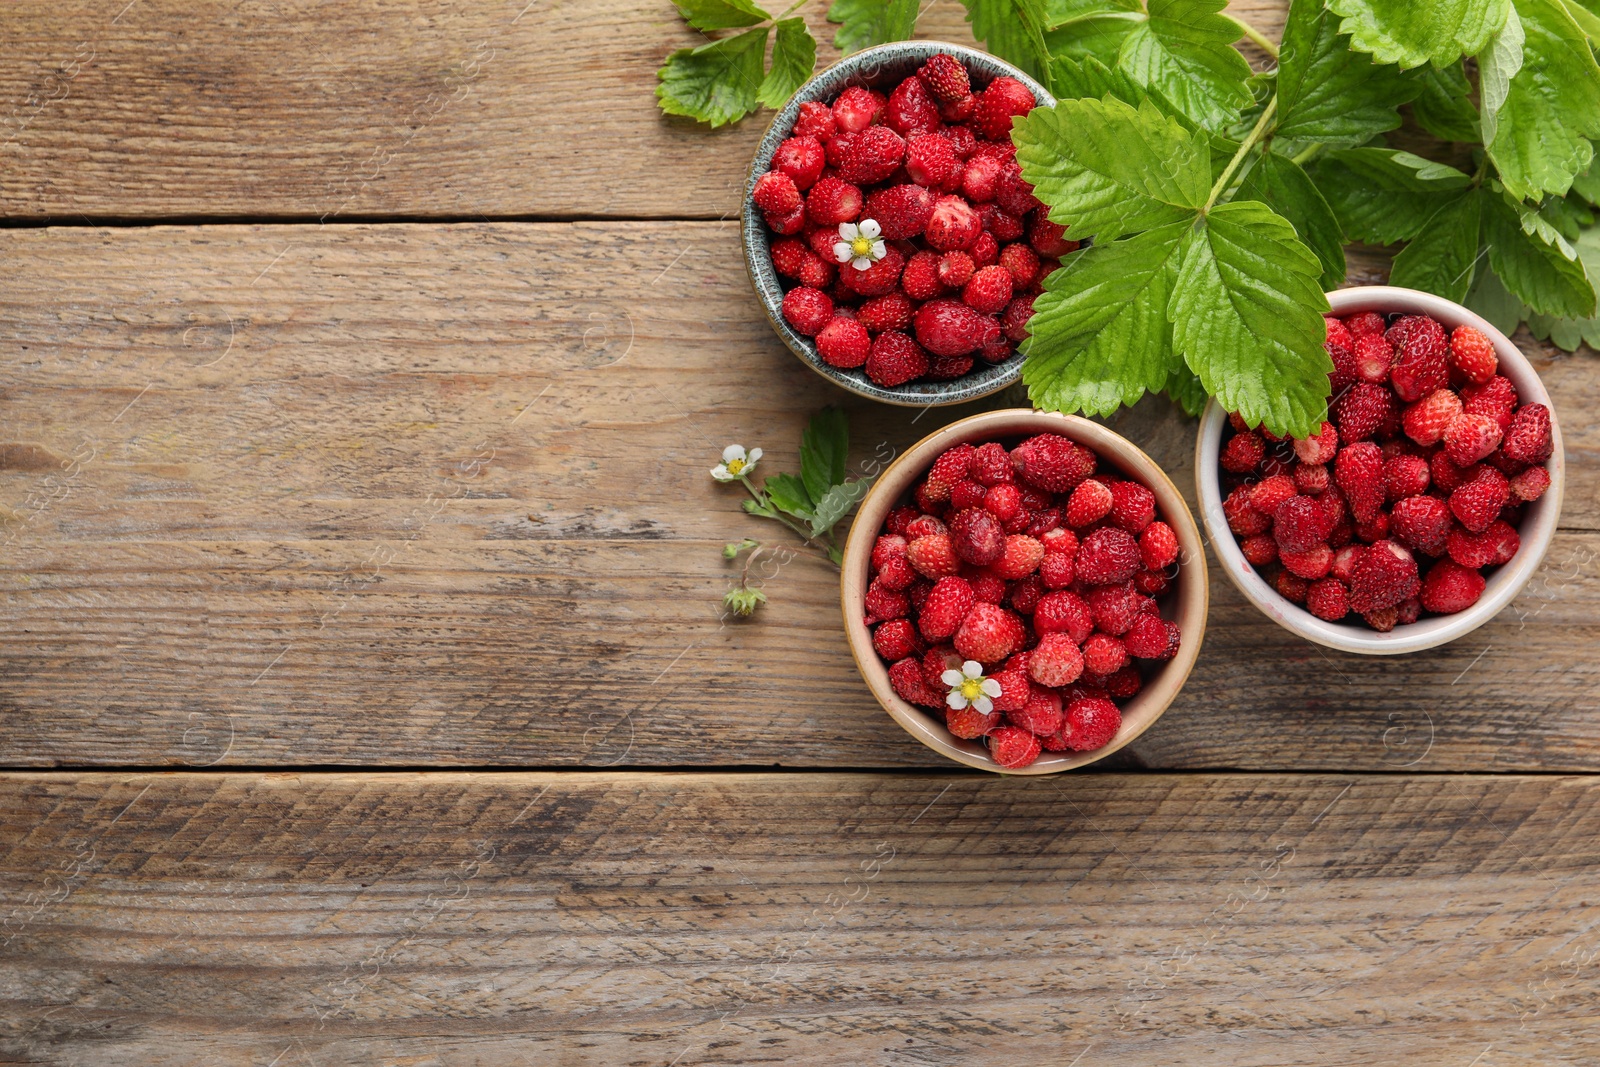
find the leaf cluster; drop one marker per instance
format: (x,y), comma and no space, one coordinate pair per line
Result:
(820,495)
(727,78)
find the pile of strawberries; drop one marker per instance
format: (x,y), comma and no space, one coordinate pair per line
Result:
(1015,590)
(955,244)
(1417,485)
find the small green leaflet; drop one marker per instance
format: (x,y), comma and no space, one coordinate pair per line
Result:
(1246,315)
(823,446)
(1328,93)
(1014,31)
(1569,333)
(1497,65)
(1099,336)
(787,493)
(1186,389)
(1098,35)
(1539,136)
(1569,215)
(719,14)
(1414,32)
(1444,256)
(1534,261)
(1381,196)
(836,504)
(864,23)
(1184,51)
(717,82)
(1442,106)
(1285,188)
(1088,77)
(794,57)
(1106,168)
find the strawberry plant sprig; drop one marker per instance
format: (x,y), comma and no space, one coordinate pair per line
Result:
(722,80)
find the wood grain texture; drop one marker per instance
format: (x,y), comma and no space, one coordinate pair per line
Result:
(445,500)
(426,108)
(649,919)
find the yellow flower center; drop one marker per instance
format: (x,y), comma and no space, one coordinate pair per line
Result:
(861,246)
(972,688)
(735,466)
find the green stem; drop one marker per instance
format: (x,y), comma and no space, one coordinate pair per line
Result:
(1308,153)
(1256,134)
(1259,39)
(828,549)
(793,7)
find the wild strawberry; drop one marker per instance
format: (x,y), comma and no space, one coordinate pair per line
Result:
(786,225)
(1358,471)
(1133,507)
(807,310)
(881,278)
(1383,619)
(802,159)
(1021,262)
(1497,397)
(1426,421)
(947,605)
(1049,239)
(1059,542)
(1055,661)
(930,160)
(1422,522)
(1243,453)
(906,678)
(1013,748)
(1052,463)
(987,587)
(956,269)
(989,634)
(888,546)
(1114,607)
(981,179)
(1385,575)
(948,470)
(900,519)
(816,273)
(985,250)
(843,343)
(815,120)
(1470,438)
(1014,690)
(832,201)
(1472,353)
(901,211)
(871,155)
(1311,479)
(1320,447)
(1244,519)
(953,225)
(896,639)
(969,723)
(951,328)
(1091,723)
(1043,522)
(884,603)
(1311,563)
(1374,529)
(1014,320)
(920,278)
(1344,373)
(1064,612)
(933,556)
(1449,587)
(1291,587)
(895,359)
(1299,524)
(897,573)
(1109,554)
(1146,638)
(1502,541)
(1420,351)
(856,109)
(1372,358)
(945,77)
(1002,101)
(1020,556)
(1259,550)
(1530,484)
(1364,323)
(1003,501)
(990,464)
(1337,333)
(989,290)
(1103,654)
(1344,562)
(1267,494)
(910,108)
(775,192)
(1361,410)
(976,535)
(1158,546)
(967,494)
(1328,599)
(1058,569)
(1472,550)
(1529,439)
(890,312)
(1025,594)
(1089,503)
(1446,475)
(1478,502)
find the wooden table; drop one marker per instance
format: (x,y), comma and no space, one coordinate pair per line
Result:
(365,696)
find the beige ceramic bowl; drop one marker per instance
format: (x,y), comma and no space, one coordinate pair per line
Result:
(1185,603)
(1538,523)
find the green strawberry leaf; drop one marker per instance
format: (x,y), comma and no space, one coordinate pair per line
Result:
(1442,106)
(788,493)
(1106,168)
(1444,256)
(1587,18)
(1569,215)
(1087,76)
(1328,93)
(824,444)
(1568,334)
(719,14)
(836,503)
(1246,314)
(1014,31)
(1184,50)
(1099,35)
(1534,261)
(1381,196)
(1490,298)
(1414,32)
(1099,336)
(716,83)
(864,23)
(1285,188)
(1186,390)
(794,57)
(1538,136)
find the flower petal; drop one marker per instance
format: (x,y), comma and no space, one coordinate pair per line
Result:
(861,263)
(984,705)
(972,669)
(732,452)
(870,228)
(841,252)
(721,474)
(848,231)
(950,677)
(990,687)
(755,454)
(879,249)
(956,700)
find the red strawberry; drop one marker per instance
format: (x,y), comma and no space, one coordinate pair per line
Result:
(906,678)
(991,464)
(1496,397)
(1472,353)
(930,161)
(1421,348)
(901,211)
(802,159)
(920,278)
(1267,494)
(1063,612)
(775,193)
(1055,661)
(1364,323)
(1337,333)
(856,109)
(1058,569)
(1423,523)
(1530,484)
(1049,239)
(1358,470)
(1243,453)
(879,279)
(911,108)
(807,310)
(1291,587)
(889,312)
(1361,410)
(1104,654)
(1372,357)
(816,120)
(933,556)
(1478,502)
(956,269)
(1109,554)
(953,225)
(1020,557)
(1089,503)
(951,328)
(1311,563)
(1385,575)
(1133,507)
(885,603)
(1003,100)
(976,535)
(981,179)
(1147,638)
(1470,438)
(896,639)
(895,359)
(947,605)
(1300,524)
(1260,550)
(1320,447)
(1013,748)
(989,290)
(989,634)
(1450,587)
(1014,320)
(1529,439)
(1311,479)
(1328,599)
(969,723)
(1114,607)
(1158,546)
(945,78)
(1244,519)
(1426,421)
(988,588)
(869,156)
(1091,723)
(1052,463)
(897,573)
(843,343)
(949,470)
(832,201)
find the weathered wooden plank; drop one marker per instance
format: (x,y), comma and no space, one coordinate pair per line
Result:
(445,500)
(431,108)
(813,919)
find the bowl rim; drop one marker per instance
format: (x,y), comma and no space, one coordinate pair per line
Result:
(1192,587)
(753,238)
(1536,531)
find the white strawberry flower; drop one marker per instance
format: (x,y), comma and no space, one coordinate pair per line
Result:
(860,245)
(969,686)
(736,463)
